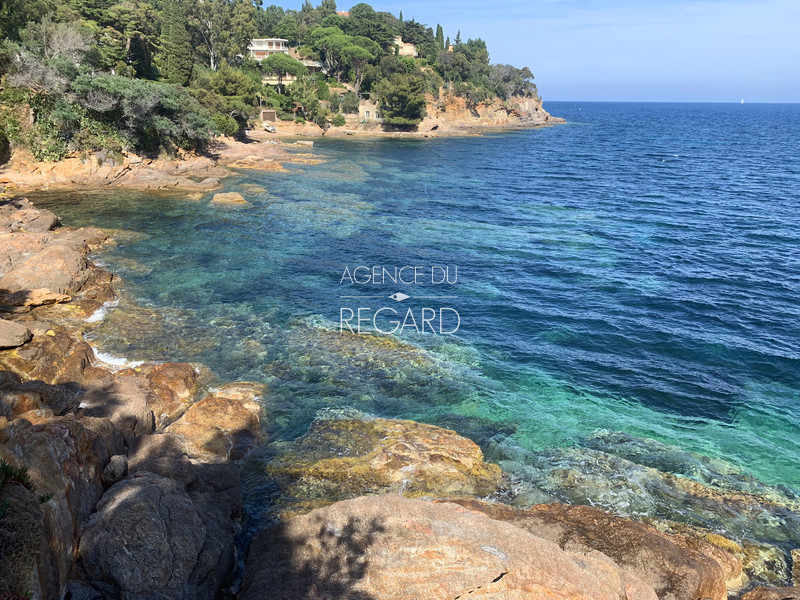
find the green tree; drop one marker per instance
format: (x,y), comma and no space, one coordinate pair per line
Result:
(176,42)
(137,24)
(282,65)
(357,58)
(349,103)
(440,37)
(16,14)
(267,21)
(288,29)
(223,28)
(402,100)
(332,50)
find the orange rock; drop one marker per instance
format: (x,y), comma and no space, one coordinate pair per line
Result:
(362,548)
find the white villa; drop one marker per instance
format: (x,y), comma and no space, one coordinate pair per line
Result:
(262,48)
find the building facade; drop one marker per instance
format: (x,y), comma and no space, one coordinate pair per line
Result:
(264,47)
(405,49)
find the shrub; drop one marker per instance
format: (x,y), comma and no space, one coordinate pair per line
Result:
(338,120)
(150,115)
(226,124)
(349,103)
(300,120)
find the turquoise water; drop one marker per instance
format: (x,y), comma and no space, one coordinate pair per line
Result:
(630,275)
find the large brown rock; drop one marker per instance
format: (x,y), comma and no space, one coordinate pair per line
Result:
(218,427)
(390,547)
(65,457)
(172,385)
(13,335)
(53,356)
(773,593)
(346,457)
(176,544)
(55,260)
(19,214)
(38,297)
(125,401)
(17,398)
(677,567)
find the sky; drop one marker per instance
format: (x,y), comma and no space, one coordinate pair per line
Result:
(633,50)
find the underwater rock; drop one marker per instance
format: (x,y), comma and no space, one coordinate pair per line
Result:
(254,161)
(219,427)
(677,567)
(754,511)
(228,198)
(352,454)
(795,554)
(380,547)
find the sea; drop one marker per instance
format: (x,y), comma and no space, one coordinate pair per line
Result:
(610,307)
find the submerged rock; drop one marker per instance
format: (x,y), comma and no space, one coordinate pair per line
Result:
(228,198)
(393,547)
(348,455)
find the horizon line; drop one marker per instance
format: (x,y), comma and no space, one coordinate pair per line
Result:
(675,101)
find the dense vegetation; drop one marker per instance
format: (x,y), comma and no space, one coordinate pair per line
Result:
(156,75)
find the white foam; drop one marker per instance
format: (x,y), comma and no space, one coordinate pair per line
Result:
(116,361)
(101,312)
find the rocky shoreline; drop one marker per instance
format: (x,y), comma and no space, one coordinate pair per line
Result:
(125,482)
(196,175)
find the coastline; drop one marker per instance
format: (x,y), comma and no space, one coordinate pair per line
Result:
(200,174)
(142,431)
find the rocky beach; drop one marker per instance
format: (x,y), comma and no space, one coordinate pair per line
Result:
(125,481)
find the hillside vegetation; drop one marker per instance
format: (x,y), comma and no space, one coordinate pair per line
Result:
(153,76)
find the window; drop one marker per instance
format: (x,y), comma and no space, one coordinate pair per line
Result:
(366,114)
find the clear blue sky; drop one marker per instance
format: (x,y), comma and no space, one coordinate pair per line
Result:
(637,50)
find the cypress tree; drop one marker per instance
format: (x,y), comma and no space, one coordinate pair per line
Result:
(440,37)
(447,43)
(401,17)
(177,44)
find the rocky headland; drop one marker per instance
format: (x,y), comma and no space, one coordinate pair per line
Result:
(126,482)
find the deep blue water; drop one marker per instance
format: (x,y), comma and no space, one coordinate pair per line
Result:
(635,270)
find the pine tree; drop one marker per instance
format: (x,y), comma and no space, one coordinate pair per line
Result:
(177,44)
(440,37)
